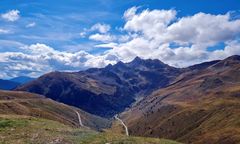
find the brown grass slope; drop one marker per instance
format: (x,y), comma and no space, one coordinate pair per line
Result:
(30,118)
(202,106)
(18,129)
(28,104)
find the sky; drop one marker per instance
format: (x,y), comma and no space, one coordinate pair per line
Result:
(37,37)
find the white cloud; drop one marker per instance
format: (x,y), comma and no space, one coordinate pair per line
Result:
(38,49)
(153,31)
(107,45)
(146,33)
(102,37)
(98,27)
(130,13)
(4,31)
(163,26)
(149,23)
(203,28)
(11,15)
(39,58)
(102,28)
(232,48)
(32,24)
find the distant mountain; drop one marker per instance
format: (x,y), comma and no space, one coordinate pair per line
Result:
(201,106)
(8,85)
(14,82)
(22,79)
(105,91)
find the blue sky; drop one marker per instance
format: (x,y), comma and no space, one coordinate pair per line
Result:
(78,34)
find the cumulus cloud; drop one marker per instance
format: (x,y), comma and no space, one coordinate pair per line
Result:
(232,48)
(102,28)
(98,27)
(130,13)
(156,34)
(37,59)
(156,30)
(203,28)
(102,37)
(11,15)
(149,23)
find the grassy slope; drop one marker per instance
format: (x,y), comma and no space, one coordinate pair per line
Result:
(22,103)
(24,129)
(30,118)
(203,108)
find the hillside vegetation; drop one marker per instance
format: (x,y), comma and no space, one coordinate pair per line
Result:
(30,118)
(202,106)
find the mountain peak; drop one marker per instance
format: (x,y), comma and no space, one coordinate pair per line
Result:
(137,60)
(230,61)
(120,63)
(149,63)
(233,58)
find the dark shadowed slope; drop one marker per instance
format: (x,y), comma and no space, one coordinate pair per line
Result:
(202,106)
(105,91)
(14,82)
(8,85)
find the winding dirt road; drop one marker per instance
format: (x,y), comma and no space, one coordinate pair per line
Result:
(126,128)
(79,119)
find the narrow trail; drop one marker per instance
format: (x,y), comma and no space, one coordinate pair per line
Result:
(126,128)
(79,119)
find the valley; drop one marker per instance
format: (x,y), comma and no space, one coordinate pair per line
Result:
(31,118)
(105,91)
(198,104)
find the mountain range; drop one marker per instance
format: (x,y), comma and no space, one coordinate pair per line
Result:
(105,91)
(8,85)
(14,82)
(197,104)
(22,79)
